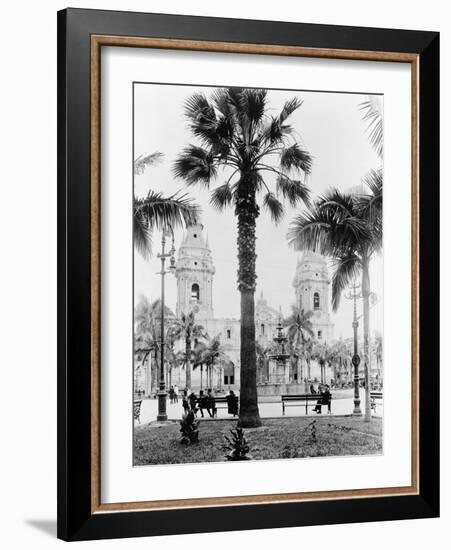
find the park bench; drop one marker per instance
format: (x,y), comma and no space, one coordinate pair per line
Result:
(374,397)
(220,403)
(307,399)
(137,410)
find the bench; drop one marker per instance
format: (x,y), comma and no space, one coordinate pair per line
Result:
(137,410)
(220,403)
(374,397)
(310,400)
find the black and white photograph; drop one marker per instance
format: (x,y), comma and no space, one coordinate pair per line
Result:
(258,274)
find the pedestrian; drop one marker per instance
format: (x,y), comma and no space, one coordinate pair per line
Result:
(211,403)
(232,403)
(203,403)
(185,404)
(171,394)
(312,389)
(176,393)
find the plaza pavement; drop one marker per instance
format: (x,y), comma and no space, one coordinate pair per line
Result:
(342,404)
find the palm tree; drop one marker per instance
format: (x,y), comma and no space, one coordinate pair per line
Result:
(238,135)
(213,355)
(198,359)
(299,330)
(348,228)
(154,211)
(342,357)
(323,354)
(147,329)
(187,328)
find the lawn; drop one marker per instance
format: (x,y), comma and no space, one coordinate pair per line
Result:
(278,438)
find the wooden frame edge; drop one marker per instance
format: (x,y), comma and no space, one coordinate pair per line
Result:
(261,49)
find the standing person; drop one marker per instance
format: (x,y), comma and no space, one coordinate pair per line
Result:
(312,389)
(185,404)
(211,404)
(176,393)
(232,403)
(203,403)
(171,394)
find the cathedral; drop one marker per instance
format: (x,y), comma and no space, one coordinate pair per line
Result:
(195,273)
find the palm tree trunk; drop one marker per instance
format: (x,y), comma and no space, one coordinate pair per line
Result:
(188,363)
(247,212)
(366,333)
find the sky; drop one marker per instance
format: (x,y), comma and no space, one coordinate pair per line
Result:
(328,125)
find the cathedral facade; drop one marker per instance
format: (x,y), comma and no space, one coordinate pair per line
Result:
(195,283)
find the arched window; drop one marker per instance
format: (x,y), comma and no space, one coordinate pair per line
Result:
(195,292)
(316,300)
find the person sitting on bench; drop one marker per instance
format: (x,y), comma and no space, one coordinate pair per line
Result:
(324,399)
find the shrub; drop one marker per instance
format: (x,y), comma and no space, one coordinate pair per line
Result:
(237,446)
(189,427)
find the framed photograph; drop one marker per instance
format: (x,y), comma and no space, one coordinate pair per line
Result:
(248,274)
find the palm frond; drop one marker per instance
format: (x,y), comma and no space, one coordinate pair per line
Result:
(142,235)
(370,204)
(345,271)
(373,116)
(295,157)
(221,197)
(289,108)
(157,211)
(253,103)
(195,165)
(144,161)
(274,207)
(293,190)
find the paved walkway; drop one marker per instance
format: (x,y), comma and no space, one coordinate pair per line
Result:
(342,403)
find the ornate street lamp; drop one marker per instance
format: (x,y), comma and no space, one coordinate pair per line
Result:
(353,294)
(162,393)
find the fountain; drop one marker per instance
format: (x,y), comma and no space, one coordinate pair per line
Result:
(279,364)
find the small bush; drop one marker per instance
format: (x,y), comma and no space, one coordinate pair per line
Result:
(189,428)
(237,445)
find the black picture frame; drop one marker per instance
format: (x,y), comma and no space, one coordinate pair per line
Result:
(76,521)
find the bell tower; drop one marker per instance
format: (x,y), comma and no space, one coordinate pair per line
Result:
(194,273)
(312,288)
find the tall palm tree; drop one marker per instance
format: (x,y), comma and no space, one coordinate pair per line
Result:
(187,328)
(147,330)
(237,134)
(154,211)
(342,358)
(199,359)
(348,228)
(213,355)
(299,331)
(323,354)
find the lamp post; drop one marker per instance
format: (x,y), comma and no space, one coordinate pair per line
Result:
(353,295)
(162,393)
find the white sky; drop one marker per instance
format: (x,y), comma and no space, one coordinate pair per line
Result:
(330,127)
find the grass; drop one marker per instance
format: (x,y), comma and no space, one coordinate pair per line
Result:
(277,438)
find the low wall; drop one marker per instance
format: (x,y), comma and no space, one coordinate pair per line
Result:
(264,390)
